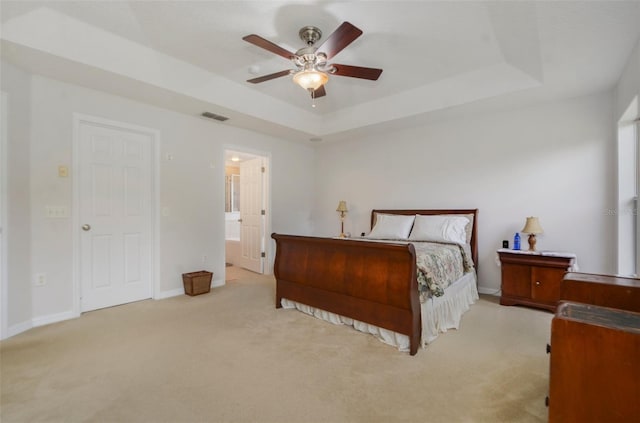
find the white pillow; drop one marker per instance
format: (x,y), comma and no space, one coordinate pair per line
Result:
(468,228)
(391,226)
(440,229)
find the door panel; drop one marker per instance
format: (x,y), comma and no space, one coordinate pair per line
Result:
(132,258)
(115,195)
(516,280)
(545,284)
(251,217)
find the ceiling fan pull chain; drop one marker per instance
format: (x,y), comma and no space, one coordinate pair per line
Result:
(313,98)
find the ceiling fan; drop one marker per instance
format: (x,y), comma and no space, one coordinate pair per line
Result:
(312,67)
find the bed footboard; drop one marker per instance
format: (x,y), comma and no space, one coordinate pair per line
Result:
(372,282)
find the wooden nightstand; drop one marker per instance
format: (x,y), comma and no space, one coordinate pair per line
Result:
(533,279)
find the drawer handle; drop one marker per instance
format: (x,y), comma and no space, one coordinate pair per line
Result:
(538,283)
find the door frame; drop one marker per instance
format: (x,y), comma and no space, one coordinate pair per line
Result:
(78,120)
(637,198)
(4,262)
(267,267)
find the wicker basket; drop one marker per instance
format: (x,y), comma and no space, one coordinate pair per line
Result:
(196,283)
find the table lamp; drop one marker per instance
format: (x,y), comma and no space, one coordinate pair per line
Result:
(342,209)
(532,227)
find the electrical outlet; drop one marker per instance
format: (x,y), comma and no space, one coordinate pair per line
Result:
(40,279)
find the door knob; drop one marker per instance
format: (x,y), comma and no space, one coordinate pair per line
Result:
(86,227)
(240,220)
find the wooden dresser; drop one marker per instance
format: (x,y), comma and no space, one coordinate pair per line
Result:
(603,290)
(595,365)
(532,279)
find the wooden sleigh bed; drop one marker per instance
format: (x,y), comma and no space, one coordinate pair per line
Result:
(369,281)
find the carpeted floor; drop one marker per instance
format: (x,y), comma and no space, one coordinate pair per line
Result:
(230,356)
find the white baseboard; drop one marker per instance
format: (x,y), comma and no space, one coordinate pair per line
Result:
(59,317)
(39,321)
(19,328)
(53,318)
(168,294)
(489,291)
(180,291)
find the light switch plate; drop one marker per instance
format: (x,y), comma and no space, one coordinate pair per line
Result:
(40,279)
(57,212)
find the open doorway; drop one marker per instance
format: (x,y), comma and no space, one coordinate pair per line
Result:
(246,201)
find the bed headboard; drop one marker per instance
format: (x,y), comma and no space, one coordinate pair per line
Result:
(474,230)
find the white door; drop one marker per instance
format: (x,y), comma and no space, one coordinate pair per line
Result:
(115,194)
(252,214)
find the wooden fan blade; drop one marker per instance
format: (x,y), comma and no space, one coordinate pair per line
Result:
(356,72)
(269,77)
(268,45)
(341,37)
(320,92)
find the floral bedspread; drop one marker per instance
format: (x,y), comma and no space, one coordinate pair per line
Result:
(439,265)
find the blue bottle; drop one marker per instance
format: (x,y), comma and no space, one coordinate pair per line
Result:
(516,241)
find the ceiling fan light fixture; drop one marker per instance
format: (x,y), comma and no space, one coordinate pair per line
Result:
(310,79)
(312,67)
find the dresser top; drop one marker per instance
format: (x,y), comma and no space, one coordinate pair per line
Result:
(627,321)
(603,279)
(539,253)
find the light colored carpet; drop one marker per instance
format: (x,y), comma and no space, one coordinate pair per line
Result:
(230,356)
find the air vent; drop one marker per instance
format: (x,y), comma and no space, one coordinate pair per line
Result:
(214,116)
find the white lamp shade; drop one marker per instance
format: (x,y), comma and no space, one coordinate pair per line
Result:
(532,226)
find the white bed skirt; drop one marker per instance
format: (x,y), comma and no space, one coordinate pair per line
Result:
(438,314)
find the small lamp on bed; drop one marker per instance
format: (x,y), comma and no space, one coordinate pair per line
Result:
(532,227)
(342,209)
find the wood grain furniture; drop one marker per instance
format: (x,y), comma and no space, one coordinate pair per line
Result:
(532,279)
(602,290)
(595,365)
(372,282)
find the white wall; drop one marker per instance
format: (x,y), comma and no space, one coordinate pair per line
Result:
(191,188)
(554,161)
(18,231)
(628,85)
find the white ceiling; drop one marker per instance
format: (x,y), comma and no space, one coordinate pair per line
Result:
(190,56)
